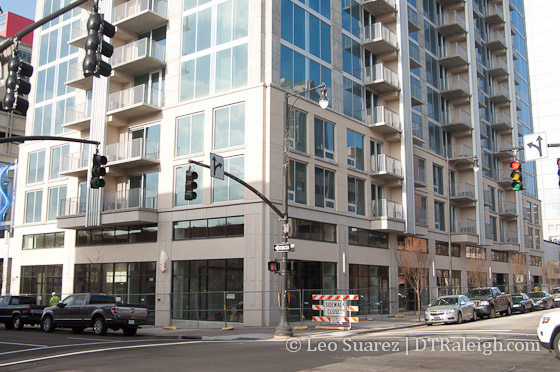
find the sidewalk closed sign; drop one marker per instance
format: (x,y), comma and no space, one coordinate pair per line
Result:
(334,308)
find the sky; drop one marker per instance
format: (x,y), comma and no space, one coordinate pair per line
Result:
(24,8)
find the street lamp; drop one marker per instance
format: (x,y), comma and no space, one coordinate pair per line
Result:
(475,168)
(284,329)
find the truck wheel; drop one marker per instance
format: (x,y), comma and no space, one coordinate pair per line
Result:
(492,313)
(17,322)
(508,311)
(556,345)
(47,324)
(78,330)
(130,331)
(99,326)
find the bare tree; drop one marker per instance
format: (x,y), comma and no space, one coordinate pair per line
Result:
(414,263)
(520,270)
(477,272)
(550,273)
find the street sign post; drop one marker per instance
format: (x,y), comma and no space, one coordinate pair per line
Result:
(284,247)
(216,166)
(536,146)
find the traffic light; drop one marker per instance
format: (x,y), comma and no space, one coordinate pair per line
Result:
(516,175)
(96,47)
(273,266)
(190,185)
(558,163)
(98,171)
(16,86)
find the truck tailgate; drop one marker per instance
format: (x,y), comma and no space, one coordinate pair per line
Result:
(131,312)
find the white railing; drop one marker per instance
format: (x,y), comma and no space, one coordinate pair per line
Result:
(381,72)
(384,163)
(387,209)
(380,31)
(138,49)
(381,114)
(132,149)
(134,7)
(72,206)
(136,95)
(76,160)
(132,198)
(77,113)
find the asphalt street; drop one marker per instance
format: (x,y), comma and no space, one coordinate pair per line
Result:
(501,344)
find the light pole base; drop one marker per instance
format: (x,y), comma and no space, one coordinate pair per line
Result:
(283,332)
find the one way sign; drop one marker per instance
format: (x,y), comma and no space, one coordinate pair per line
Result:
(216,166)
(535,147)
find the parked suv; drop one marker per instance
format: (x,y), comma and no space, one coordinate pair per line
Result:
(491,300)
(555,292)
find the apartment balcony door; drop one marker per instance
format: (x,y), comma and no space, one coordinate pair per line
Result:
(143,189)
(145,142)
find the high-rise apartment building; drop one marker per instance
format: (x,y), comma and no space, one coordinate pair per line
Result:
(413,150)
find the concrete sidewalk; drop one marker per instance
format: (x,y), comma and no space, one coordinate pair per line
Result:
(370,325)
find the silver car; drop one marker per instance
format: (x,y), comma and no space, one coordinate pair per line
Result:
(450,309)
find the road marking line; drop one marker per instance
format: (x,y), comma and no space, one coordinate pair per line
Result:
(15,343)
(89,339)
(96,351)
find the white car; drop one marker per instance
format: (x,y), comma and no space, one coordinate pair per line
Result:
(549,332)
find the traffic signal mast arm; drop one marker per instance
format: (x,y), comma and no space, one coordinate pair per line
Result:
(21,139)
(255,191)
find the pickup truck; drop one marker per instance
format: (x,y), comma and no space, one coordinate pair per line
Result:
(489,301)
(549,332)
(16,311)
(96,310)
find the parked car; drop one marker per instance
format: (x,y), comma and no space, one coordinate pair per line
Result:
(549,332)
(100,311)
(542,300)
(16,311)
(490,301)
(450,309)
(555,292)
(522,302)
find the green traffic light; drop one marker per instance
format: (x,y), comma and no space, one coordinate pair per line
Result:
(516,186)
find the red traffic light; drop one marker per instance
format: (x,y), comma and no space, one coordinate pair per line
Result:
(558,162)
(515,165)
(273,266)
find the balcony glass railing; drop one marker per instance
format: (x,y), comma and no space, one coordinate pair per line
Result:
(138,49)
(384,163)
(464,226)
(463,190)
(384,208)
(452,50)
(414,51)
(456,116)
(133,96)
(133,198)
(451,17)
(77,113)
(135,148)
(508,207)
(454,83)
(459,151)
(415,88)
(72,206)
(421,216)
(380,31)
(511,237)
(417,130)
(412,15)
(77,160)
(382,114)
(420,175)
(134,7)
(75,72)
(381,72)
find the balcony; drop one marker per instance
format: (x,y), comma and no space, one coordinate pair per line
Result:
(387,215)
(479,40)
(504,178)
(452,55)
(383,119)
(421,216)
(75,77)
(133,103)
(415,92)
(75,164)
(381,79)
(413,24)
(508,210)
(78,34)
(140,16)
(379,7)
(456,120)
(501,122)
(455,88)
(386,167)
(510,241)
(499,94)
(414,54)
(135,153)
(498,67)
(464,231)
(139,58)
(484,128)
(451,23)
(71,213)
(461,156)
(503,150)
(379,39)
(77,117)
(480,69)
(487,198)
(490,232)
(418,137)
(462,193)
(496,41)
(420,177)
(446,3)
(494,15)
